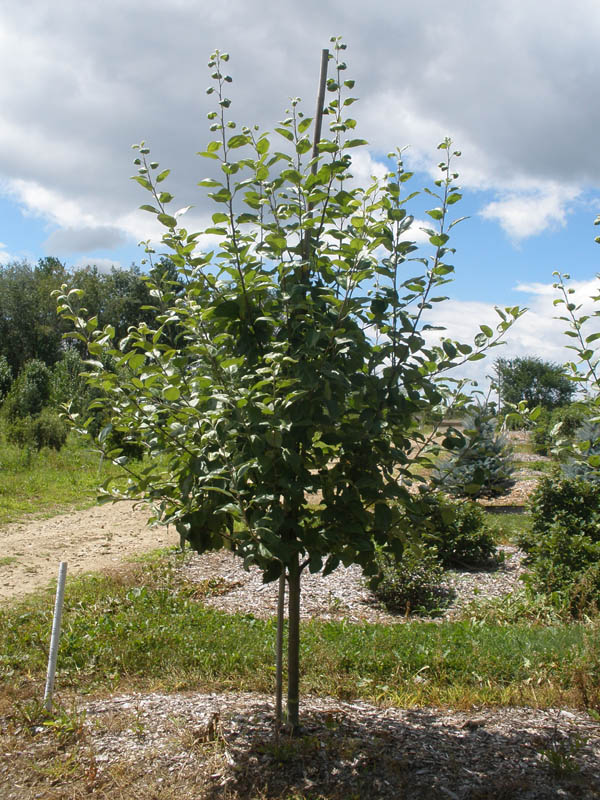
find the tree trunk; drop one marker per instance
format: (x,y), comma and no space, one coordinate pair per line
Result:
(293,648)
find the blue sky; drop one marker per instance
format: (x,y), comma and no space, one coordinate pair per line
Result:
(514,87)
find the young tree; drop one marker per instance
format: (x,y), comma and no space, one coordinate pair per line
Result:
(530,379)
(300,366)
(483,466)
(583,454)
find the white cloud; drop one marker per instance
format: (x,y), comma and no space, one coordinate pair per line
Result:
(84,239)
(49,203)
(364,167)
(103,265)
(529,213)
(5,256)
(87,80)
(416,232)
(537,333)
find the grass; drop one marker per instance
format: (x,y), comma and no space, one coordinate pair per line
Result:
(119,634)
(534,466)
(507,526)
(46,483)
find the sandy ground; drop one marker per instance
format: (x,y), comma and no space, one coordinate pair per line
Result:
(91,540)
(102,536)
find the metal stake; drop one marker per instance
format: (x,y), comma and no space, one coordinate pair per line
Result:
(58,606)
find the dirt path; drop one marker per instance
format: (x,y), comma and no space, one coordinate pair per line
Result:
(89,540)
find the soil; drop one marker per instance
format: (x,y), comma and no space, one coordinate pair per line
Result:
(98,538)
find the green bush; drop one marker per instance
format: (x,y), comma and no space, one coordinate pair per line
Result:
(482,467)
(546,432)
(66,383)
(410,584)
(457,530)
(584,461)
(46,429)
(6,377)
(563,545)
(29,393)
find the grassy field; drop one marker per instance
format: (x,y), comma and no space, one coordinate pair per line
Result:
(46,483)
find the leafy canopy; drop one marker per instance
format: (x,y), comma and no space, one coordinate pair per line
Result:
(533,380)
(279,391)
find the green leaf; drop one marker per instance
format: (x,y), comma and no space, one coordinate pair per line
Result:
(262,146)
(171,393)
(287,134)
(142,182)
(229,309)
(167,220)
(354,143)
(162,175)
(238,141)
(325,146)
(151,209)
(439,239)
(435,213)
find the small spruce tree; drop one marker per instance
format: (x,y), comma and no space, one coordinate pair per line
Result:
(482,466)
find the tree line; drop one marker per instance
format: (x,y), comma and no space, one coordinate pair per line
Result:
(29,325)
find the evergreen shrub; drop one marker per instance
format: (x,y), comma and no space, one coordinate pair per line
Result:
(6,377)
(46,429)
(483,466)
(546,431)
(29,393)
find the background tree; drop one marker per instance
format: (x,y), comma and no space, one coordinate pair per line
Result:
(300,367)
(29,326)
(483,465)
(537,382)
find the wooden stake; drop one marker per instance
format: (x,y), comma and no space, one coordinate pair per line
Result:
(316,139)
(320,102)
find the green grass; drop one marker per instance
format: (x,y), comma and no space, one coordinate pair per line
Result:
(534,466)
(507,526)
(118,634)
(48,482)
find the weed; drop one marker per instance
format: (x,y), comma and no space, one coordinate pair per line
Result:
(67,726)
(562,751)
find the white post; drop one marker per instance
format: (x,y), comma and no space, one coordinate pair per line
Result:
(58,606)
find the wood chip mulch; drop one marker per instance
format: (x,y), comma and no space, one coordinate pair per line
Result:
(225,744)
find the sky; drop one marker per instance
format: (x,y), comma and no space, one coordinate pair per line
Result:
(512,82)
